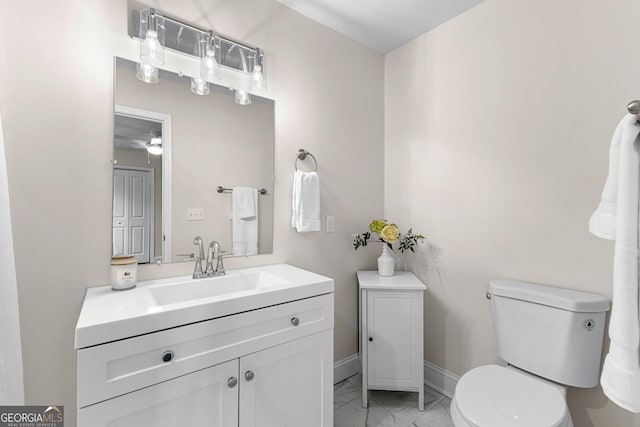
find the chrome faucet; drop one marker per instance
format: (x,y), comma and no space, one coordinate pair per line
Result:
(214,252)
(197,272)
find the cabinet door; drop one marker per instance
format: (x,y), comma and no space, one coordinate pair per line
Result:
(394,336)
(289,385)
(203,398)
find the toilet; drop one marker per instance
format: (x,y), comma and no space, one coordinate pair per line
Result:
(549,338)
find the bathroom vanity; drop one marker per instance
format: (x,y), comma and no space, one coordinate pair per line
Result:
(251,348)
(391,325)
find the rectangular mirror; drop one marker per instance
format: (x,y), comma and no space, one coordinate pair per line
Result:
(172,149)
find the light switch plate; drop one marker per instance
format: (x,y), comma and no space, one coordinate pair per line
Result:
(195,214)
(330,224)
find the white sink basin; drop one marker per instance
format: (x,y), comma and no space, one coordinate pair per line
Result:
(154,305)
(214,287)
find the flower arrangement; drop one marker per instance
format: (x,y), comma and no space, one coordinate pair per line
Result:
(388,234)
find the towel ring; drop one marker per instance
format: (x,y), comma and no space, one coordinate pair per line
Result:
(302,154)
(634,108)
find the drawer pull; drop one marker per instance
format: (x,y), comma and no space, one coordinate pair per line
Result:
(248,375)
(295,321)
(233,381)
(167,356)
(370,339)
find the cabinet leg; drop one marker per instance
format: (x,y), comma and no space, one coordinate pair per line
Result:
(365,403)
(421,399)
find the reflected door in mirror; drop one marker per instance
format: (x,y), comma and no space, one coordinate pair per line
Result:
(132,213)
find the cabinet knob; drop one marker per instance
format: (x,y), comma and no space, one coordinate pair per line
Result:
(370,339)
(167,356)
(232,382)
(295,321)
(248,375)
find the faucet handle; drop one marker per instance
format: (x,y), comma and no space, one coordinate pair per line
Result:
(197,271)
(208,270)
(220,264)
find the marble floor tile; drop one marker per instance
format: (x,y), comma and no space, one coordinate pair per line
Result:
(388,408)
(344,392)
(436,416)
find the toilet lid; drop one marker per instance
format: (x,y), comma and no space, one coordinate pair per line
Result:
(497,397)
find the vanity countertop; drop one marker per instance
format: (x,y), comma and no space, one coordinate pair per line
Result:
(109,315)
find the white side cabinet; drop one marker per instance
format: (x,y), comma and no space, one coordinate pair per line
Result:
(391,333)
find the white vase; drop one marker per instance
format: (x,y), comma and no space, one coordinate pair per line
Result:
(386,263)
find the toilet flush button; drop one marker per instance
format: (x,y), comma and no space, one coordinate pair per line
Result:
(589,324)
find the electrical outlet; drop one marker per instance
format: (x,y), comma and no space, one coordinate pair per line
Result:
(195,214)
(330,224)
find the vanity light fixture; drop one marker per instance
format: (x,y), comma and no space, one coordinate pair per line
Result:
(147,73)
(209,68)
(199,86)
(155,146)
(257,78)
(152,38)
(242,65)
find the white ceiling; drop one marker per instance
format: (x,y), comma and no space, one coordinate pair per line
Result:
(383,25)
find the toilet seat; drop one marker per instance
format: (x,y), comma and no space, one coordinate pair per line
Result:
(493,396)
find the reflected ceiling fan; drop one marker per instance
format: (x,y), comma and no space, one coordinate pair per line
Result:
(154,146)
(137,133)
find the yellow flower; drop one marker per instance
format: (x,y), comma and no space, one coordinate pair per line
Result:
(389,233)
(377,225)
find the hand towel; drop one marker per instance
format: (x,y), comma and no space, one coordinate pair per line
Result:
(305,202)
(244,218)
(617,218)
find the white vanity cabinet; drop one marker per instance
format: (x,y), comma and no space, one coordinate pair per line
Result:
(391,333)
(202,398)
(266,367)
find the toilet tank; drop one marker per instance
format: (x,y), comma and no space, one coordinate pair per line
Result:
(552,332)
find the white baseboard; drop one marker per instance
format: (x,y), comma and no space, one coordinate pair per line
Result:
(435,377)
(440,379)
(346,368)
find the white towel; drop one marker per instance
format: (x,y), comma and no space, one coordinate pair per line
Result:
(305,202)
(617,218)
(244,217)
(11,369)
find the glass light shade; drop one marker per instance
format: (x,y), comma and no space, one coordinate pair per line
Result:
(155,146)
(147,73)
(242,97)
(257,79)
(209,68)
(199,86)
(152,49)
(152,37)
(154,149)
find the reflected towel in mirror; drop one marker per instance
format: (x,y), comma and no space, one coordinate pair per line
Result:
(244,217)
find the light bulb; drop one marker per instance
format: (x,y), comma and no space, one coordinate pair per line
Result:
(199,86)
(257,79)
(209,69)
(147,73)
(151,49)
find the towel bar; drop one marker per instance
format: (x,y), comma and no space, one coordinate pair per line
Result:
(221,189)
